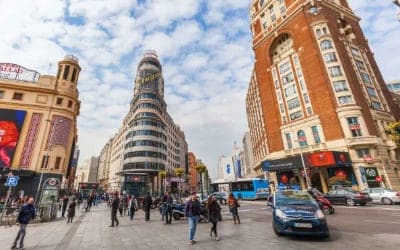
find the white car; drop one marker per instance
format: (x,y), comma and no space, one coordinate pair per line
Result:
(383,195)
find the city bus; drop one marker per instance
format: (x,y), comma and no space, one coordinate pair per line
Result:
(242,189)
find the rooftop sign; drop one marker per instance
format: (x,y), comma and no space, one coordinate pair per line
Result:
(12,71)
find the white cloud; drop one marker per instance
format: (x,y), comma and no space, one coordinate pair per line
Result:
(205,48)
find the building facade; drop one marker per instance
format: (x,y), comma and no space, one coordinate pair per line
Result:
(148,141)
(394,86)
(323,99)
(38,117)
(248,157)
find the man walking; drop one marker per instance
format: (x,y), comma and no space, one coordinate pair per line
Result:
(168,208)
(114,210)
(133,205)
(147,202)
(25,215)
(64,205)
(192,212)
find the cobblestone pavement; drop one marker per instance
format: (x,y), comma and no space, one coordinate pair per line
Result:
(91,231)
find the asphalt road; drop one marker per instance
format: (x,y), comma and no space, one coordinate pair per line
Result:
(370,227)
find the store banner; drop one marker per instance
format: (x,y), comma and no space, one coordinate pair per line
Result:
(288,163)
(342,158)
(321,159)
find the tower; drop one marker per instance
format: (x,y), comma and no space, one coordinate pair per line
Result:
(322,96)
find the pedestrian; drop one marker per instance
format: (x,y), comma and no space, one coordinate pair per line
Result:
(168,208)
(133,206)
(192,212)
(114,209)
(233,208)
(214,213)
(121,205)
(26,213)
(147,202)
(64,205)
(71,210)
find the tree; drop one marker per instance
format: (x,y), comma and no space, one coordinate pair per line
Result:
(394,131)
(179,172)
(200,168)
(162,175)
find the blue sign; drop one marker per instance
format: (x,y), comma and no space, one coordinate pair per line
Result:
(12,181)
(265,166)
(228,169)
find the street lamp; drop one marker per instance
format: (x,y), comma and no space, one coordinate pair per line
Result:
(200,169)
(300,140)
(46,160)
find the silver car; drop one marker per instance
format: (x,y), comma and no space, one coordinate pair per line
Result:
(383,195)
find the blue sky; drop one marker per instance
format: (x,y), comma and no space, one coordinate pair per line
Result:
(204,47)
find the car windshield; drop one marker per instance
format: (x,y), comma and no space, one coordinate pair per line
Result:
(293,197)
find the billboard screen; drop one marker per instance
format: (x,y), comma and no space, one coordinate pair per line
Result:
(11,122)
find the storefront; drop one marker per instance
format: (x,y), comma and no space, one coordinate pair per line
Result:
(371,176)
(330,169)
(286,172)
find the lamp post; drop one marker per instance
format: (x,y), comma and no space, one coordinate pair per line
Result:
(303,139)
(46,161)
(200,169)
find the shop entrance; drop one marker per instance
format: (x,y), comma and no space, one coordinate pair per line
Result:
(316,182)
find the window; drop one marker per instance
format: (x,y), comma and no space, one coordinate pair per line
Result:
(363,152)
(17,96)
(284,68)
(301,137)
(365,77)
(340,86)
(305,97)
(315,133)
(66,72)
(355,52)
(330,57)
(59,100)
(360,65)
(281,108)
(376,105)
(262,3)
(59,72)
(345,99)
(70,104)
(371,91)
(326,44)
(58,163)
(272,13)
(335,71)
(289,141)
(45,160)
(287,78)
(354,126)
(289,91)
(294,103)
(309,110)
(299,73)
(73,75)
(1,94)
(296,115)
(296,60)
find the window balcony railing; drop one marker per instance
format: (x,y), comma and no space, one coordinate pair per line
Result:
(362,140)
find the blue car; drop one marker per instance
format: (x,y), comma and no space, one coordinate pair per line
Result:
(295,212)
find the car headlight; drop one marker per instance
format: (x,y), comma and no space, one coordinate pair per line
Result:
(280,214)
(319,214)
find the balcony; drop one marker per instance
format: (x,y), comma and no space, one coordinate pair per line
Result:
(363,140)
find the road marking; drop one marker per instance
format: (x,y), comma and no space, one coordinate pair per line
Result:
(382,222)
(373,208)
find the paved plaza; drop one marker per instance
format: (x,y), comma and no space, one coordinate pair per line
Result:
(91,231)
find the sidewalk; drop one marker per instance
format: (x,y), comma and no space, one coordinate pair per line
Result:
(91,231)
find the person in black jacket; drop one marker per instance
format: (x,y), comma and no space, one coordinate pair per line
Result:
(26,213)
(71,210)
(147,202)
(114,209)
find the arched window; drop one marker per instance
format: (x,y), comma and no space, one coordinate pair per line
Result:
(301,137)
(326,44)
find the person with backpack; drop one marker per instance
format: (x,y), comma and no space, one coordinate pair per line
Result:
(192,212)
(233,208)
(26,214)
(114,210)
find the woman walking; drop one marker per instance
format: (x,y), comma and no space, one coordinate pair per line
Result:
(71,211)
(133,206)
(213,215)
(233,208)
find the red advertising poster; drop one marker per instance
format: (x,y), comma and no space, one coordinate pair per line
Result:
(321,159)
(11,122)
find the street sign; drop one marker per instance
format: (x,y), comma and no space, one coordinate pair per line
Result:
(12,181)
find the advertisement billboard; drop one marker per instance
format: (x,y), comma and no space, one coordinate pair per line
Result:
(11,122)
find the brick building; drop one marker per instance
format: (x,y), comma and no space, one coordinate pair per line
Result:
(323,98)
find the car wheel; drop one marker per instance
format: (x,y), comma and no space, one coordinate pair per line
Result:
(276,230)
(387,201)
(176,216)
(350,202)
(363,204)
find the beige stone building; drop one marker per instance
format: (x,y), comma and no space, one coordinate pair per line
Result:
(38,129)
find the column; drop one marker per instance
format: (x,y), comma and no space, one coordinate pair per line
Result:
(324,185)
